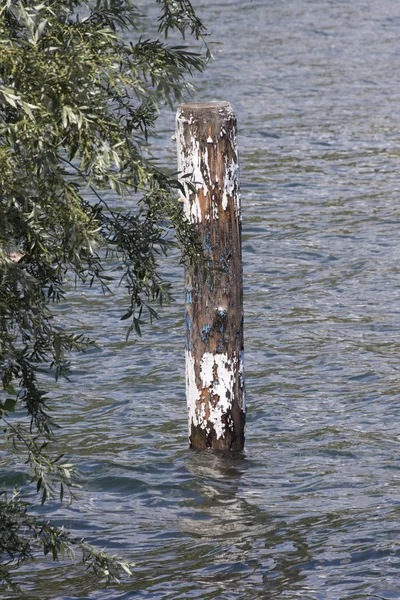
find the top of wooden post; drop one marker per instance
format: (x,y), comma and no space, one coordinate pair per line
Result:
(204,111)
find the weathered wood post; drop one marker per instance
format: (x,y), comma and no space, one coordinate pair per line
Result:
(207,152)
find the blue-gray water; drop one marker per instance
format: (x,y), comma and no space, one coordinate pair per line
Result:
(311,510)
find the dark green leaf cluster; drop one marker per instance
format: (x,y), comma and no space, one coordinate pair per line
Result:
(78,100)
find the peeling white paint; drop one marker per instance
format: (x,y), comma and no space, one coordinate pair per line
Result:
(199,161)
(192,162)
(196,163)
(206,366)
(231,185)
(215,209)
(189,163)
(217,374)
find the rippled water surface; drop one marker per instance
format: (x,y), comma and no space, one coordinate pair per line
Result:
(311,510)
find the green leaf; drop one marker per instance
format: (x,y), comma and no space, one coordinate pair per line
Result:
(9,405)
(136,324)
(125,567)
(126,315)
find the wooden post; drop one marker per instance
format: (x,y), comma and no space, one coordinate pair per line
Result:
(208,155)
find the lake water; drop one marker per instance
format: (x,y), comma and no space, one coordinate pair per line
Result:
(311,510)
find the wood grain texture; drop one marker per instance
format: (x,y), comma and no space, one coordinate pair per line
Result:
(207,152)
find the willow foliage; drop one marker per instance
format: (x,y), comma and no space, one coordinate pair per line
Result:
(77,103)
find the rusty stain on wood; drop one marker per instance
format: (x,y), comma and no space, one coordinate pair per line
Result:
(208,155)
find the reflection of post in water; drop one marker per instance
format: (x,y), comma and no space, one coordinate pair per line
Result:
(217,507)
(235,539)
